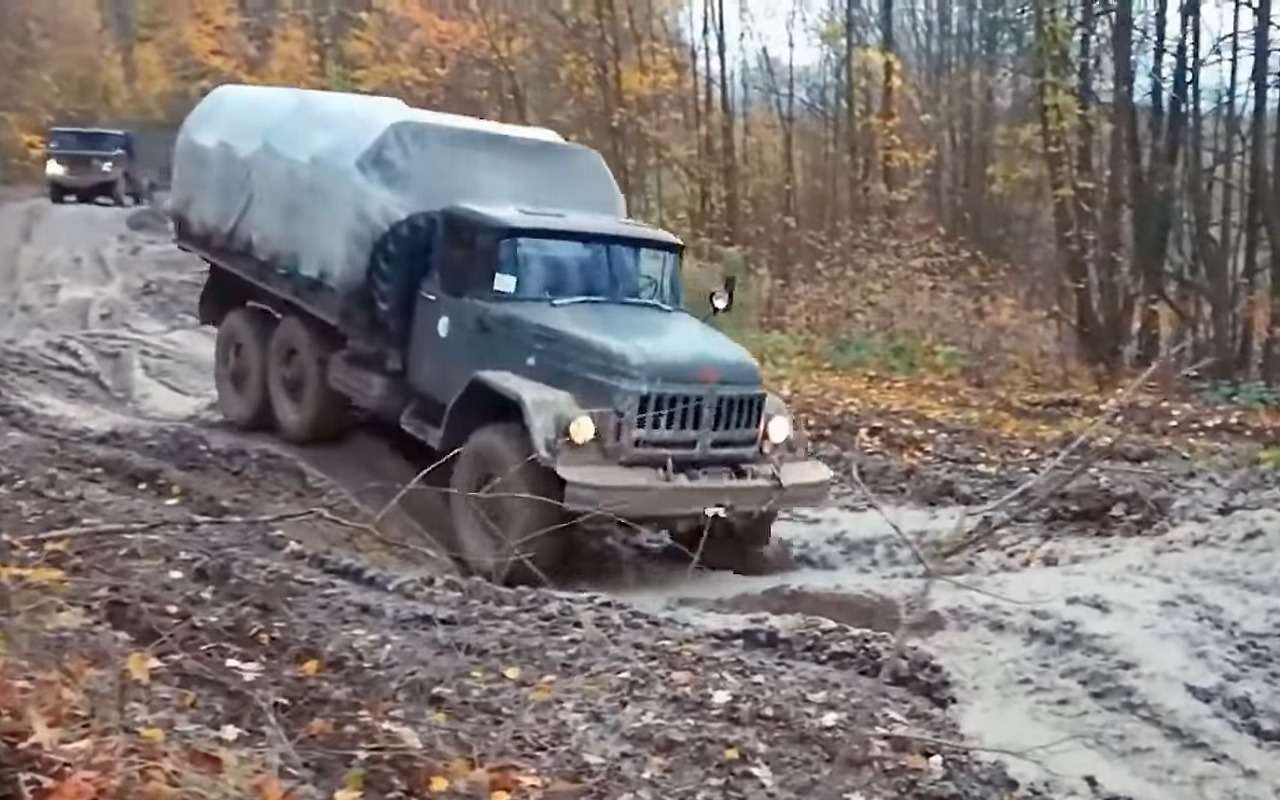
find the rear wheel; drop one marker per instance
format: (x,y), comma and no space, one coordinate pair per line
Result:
(509,523)
(306,408)
(240,367)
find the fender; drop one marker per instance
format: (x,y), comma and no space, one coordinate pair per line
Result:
(544,410)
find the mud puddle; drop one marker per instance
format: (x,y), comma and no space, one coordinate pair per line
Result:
(1144,668)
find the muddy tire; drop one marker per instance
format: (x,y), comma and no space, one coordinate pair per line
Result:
(306,408)
(57,196)
(520,536)
(240,367)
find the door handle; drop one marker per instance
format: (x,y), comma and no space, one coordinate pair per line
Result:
(425,295)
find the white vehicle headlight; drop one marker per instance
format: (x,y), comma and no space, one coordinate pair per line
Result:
(54,167)
(107,166)
(582,429)
(778,429)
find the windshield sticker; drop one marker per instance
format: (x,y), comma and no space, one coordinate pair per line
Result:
(504,283)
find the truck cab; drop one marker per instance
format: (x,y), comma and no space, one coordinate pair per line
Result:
(89,163)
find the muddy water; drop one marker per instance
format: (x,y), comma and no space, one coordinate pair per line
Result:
(1146,668)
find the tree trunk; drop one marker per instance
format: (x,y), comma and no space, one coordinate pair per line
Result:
(1115,298)
(1146,195)
(850,111)
(888,115)
(1257,181)
(1048,60)
(1222,303)
(727,144)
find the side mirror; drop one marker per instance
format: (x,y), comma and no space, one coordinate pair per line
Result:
(721,299)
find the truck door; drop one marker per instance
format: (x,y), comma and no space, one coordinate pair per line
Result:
(443,350)
(438,362)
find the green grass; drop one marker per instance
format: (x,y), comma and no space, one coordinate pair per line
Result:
(897,353)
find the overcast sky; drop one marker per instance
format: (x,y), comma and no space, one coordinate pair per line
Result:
(767,26)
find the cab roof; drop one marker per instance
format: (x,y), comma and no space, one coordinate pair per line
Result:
(553,220)
(73,129)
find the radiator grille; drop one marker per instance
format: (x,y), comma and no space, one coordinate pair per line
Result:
(683,421)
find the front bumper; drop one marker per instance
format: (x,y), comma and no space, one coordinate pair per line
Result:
(101,181)
(647,493)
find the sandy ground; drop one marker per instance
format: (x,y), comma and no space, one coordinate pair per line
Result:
(1142,667)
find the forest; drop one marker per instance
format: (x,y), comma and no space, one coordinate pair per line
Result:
(1105,167)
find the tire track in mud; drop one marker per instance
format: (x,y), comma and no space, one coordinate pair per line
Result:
(101,333)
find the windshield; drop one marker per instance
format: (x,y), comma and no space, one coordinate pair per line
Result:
(534,268)
(88,141)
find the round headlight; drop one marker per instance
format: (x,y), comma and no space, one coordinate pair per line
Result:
(778,429)
(582,429)
(107,166)
(54,167)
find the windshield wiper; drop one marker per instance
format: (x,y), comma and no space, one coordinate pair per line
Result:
(579,298)
(644,301)
(588,298)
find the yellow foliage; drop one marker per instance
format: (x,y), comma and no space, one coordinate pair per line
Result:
(291,59)
(405,48)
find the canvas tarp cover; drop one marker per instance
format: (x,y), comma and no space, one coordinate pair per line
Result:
(308,180)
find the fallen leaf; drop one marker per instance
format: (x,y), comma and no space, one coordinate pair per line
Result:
(138,665)
(460,767)
(353,781)
(269,788)
(41,734)
(319,727)
(229,733)
(310,667)
(439,717)
(208,763)
(437,784)
(731,754)
(406,734)
(500,795)
(916,761)
(77,786)
(348,794)
(511,673)
(32,574)
(152,735)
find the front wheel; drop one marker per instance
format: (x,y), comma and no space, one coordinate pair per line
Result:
(508,518)
(306,408)
(118,193)
(240,367)
(56,195)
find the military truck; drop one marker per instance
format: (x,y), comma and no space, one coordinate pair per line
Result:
(89,163)
(479,286)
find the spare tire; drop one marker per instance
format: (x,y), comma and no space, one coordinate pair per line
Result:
(306,408)
(240,367)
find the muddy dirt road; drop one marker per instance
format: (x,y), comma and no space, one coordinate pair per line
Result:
(1143,667)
